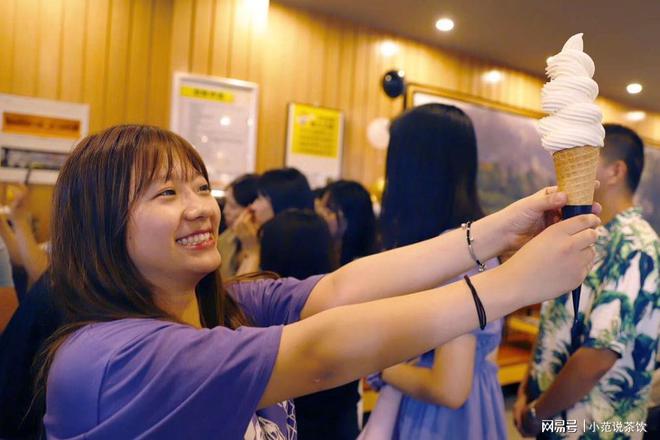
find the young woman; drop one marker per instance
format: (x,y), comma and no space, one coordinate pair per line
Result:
(346,206)
(431,187)
(155,346)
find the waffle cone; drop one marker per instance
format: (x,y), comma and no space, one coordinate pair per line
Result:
(576,173)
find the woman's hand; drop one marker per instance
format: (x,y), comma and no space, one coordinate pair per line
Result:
(555,261)
(524,219)
(246,230)
(518,411)
(18,208)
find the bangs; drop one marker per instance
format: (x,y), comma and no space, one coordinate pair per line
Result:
(161,156)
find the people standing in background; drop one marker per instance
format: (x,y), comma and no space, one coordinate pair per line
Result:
(297,243)
(240,193)
(278,190)
(347,208)
(605,375)
(430,188)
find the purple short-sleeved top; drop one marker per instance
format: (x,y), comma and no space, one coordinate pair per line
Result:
(138,378)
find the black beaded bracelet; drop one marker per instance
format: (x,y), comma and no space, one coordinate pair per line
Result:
(481,312)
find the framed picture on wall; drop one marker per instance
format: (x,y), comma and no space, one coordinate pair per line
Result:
(314,142)
(36,136)
(219,117)
(512,163)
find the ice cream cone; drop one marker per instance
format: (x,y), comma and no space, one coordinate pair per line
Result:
(576,173)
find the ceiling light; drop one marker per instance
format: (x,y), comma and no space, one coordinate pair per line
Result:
(493,76)
(388,48)
(444,24)
(636,116)
(634,88)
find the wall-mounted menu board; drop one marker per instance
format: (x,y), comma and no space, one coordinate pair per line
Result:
(314,142)
(38,134)
(219,117)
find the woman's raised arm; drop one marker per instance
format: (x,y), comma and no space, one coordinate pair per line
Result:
(430,263)
(342,344)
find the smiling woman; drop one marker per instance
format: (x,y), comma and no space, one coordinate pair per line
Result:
(155,346)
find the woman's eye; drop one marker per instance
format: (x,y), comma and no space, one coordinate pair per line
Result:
(205,188)
(167,192)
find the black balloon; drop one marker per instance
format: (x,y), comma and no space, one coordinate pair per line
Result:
(393,83)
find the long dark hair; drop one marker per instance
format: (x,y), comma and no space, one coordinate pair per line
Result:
(431,175)
(352,202)
(296,243)
(92,274)
(286,188)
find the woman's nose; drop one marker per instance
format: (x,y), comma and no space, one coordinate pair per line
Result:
(198,208)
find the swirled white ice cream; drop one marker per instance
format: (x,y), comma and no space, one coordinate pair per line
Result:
(575,120)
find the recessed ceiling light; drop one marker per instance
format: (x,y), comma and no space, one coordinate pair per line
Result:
(388,48)
(493,76)
(636,116)
(444,24)
(634,88)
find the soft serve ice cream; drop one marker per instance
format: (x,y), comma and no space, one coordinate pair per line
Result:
(572,132)
(575,120)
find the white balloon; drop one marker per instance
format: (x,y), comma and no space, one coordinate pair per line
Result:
(378,133)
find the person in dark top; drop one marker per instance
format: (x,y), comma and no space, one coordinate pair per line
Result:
(36,318)
(297,243)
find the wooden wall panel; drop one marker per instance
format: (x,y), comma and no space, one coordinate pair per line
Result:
(119,56)
(72,49)
(95,61)
(50,16)
(137,68)
(7,25)
(159,74)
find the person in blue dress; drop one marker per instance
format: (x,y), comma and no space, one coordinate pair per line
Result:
(452,391)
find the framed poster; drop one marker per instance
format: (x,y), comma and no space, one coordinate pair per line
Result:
(218,116)
(314,142)
(37,135)
(512,163)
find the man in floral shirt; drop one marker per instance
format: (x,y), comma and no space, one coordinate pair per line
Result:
(599,388)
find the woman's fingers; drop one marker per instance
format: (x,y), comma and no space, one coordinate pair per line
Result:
(584,239)
(578,223)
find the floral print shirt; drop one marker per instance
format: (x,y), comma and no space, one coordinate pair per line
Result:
(620,311)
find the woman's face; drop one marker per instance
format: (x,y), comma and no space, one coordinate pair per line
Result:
(232,209)
(172,232)
(263,209)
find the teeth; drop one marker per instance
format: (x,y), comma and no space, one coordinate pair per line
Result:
(196,239)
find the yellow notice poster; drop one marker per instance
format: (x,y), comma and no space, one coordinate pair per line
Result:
(315,131)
